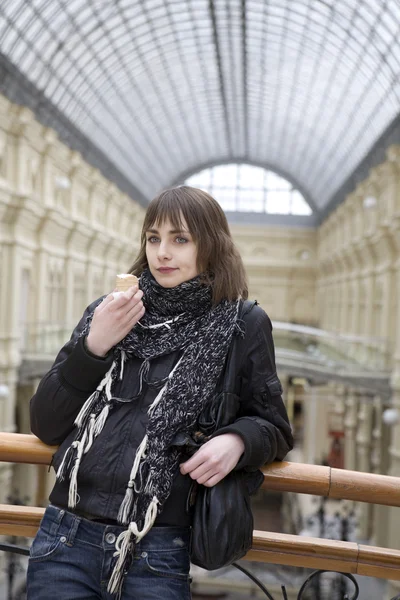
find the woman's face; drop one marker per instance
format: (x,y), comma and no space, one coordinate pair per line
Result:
(171,254)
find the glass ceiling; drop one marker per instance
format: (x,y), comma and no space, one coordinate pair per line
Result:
(168,87)
(245,188)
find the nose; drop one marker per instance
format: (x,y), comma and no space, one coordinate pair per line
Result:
(163,252)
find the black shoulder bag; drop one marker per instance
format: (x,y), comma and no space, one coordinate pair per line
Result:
(222,525)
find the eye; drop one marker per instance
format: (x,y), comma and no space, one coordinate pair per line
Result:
(181,240)
(152,239)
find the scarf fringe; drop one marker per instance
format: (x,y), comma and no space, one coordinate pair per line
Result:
(123,359)
(147,487)
(151,515)
(107,381)
(73,486)
(91,401)
(67,458)
(163,324)
(93,428)
(127,502)
(101,419)
(144,371)
(124,546)
(90,432)
(157,399)
(86,408)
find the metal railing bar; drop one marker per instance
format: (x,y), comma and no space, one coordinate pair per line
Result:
(14,549)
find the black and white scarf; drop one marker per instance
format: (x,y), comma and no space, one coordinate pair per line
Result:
(180,318)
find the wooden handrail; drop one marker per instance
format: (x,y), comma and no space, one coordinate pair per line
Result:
(276,548)
(267,547)
(279,476)
(24,448)
(332,483)
(332,555)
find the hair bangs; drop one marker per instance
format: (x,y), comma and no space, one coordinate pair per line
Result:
(167,207)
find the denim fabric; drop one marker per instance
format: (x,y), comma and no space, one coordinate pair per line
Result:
(71,558)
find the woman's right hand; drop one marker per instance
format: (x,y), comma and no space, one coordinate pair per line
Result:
(113,319)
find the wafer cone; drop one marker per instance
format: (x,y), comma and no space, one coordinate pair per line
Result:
(124,281)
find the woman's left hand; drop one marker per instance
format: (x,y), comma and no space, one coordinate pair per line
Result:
(215,459)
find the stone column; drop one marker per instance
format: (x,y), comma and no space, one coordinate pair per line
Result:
(316,424)
(379,512)
(310,421)
(363,460)
(338,408)
(25,476)
(369,313)
(350,429)
(376,452)
(387,314)
(343,299)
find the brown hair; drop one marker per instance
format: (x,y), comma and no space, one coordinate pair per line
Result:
(217,257)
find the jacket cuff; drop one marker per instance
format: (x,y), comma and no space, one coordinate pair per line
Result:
(251,434)
(82,371)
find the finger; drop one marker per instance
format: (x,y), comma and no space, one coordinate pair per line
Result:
(112,295)
(202,470)
(122,298)
(105,302)
(192,463)
(139,316)
(117,295)
(132,291)
(134,311)
(214,480)
(207,476)
(134,296)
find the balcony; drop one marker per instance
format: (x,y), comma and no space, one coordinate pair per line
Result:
(300,351)
(272,548)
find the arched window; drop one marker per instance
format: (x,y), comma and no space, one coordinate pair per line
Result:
(245,188)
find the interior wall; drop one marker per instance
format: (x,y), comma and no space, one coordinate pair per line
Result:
(358,257)
(281,265)
(65,231)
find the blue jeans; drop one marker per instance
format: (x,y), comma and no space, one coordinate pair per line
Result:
(71,558)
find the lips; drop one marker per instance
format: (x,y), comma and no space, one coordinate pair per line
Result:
(166,270)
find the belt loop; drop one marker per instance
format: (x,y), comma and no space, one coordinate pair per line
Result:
(55,525)
(72,532)
(60,515)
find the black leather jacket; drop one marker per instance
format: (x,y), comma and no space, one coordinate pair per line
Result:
(249,403)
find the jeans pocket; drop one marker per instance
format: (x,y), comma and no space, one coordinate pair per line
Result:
(173,564)
(45,546)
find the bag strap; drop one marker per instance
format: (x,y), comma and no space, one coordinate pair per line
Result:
(245,307)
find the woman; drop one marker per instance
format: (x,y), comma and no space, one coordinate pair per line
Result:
(138,372)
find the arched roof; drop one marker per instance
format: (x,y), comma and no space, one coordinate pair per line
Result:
(164,86)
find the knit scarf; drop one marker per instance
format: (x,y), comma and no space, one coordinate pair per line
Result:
(176,319)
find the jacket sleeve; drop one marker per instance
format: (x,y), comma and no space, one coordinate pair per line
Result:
(62,392)
(262,422)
